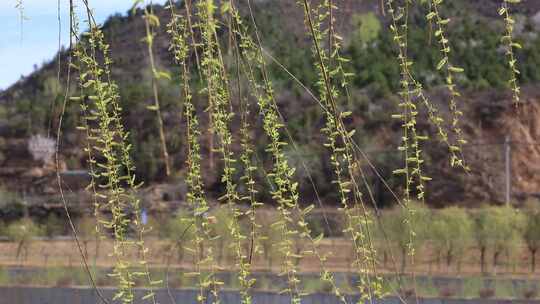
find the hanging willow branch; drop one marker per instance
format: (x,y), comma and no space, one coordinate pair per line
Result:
(450,70)
(339,140)
(397,14)
(511,44)
(220,107)
(151,21)
(106,131)
(244,260)
(178,29)
(285,191)
(19,5)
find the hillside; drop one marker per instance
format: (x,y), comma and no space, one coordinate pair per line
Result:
(32,105)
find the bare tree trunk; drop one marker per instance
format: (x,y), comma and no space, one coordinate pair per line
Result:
(211,143)
(483,259)
(533,260)
(221,251)
(201,251)
(297,252)
(96,250)
(179,253)
(510,260)
(19,249)
(449,256)
(403,259)
(26,249)
(496,255)
(85,245)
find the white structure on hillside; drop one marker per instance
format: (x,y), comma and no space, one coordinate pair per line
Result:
(41,148)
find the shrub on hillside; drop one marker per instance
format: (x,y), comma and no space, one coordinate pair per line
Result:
(54,225)
(531,232)
(220,226)
(11,205)
(179,230)
(451,233)
(406,227)
(87,232)
(270,236)
(22,232)
(497,229)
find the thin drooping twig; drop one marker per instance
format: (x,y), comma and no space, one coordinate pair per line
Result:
(58,71)
(57,164)
(168,266)
(151,21)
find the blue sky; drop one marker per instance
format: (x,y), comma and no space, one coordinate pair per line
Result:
(38,40)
